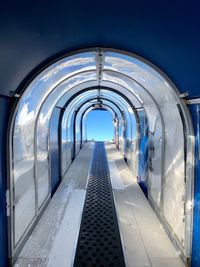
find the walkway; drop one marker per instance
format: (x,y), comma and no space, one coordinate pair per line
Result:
(144,240)
(53,242)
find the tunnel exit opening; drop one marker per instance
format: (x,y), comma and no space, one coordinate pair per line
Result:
(99,125)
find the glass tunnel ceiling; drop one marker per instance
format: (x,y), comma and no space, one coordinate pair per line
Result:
(90,69)
(124,83)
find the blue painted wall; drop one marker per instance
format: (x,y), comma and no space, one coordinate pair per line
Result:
(4,111)
(195,110)
(54,149)
(143,153)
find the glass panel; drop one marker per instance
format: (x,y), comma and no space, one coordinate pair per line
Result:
(122,135)
(145,86)
(42,161)
(55,74)
(174,189)
(127,65)
(67,127)
(78,125)
(66,156)
(155,154)
(83,109)
(128,83)
(127,123)
(23,171)
(130,146)
(132,96)
(134,143)
(144,74)
(67,142)
(143,149)
(152,112)
(42,156)
(23,137)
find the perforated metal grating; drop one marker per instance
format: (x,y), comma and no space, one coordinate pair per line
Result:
(99,243)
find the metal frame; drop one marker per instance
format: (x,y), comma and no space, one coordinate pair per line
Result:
(163,139)
(193,101)
(189,178)
(190,150)
(14,251)
(106,106)
(111,90)
(118,93)
(81,123)
(190,139)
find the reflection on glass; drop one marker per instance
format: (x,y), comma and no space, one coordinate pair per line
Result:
(42,156)
(23,137)
(138,81)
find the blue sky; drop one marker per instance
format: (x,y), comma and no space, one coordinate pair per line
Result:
(99,125)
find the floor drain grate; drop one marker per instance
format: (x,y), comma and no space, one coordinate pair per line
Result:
(99,243)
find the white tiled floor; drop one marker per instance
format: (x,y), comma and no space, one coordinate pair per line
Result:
(144,241)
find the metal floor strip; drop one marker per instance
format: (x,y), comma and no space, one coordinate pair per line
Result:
(99,243)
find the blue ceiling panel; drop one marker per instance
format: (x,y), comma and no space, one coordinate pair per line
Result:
(164,32)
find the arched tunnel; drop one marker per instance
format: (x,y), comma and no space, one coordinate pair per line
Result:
(151,130)
(130,198)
